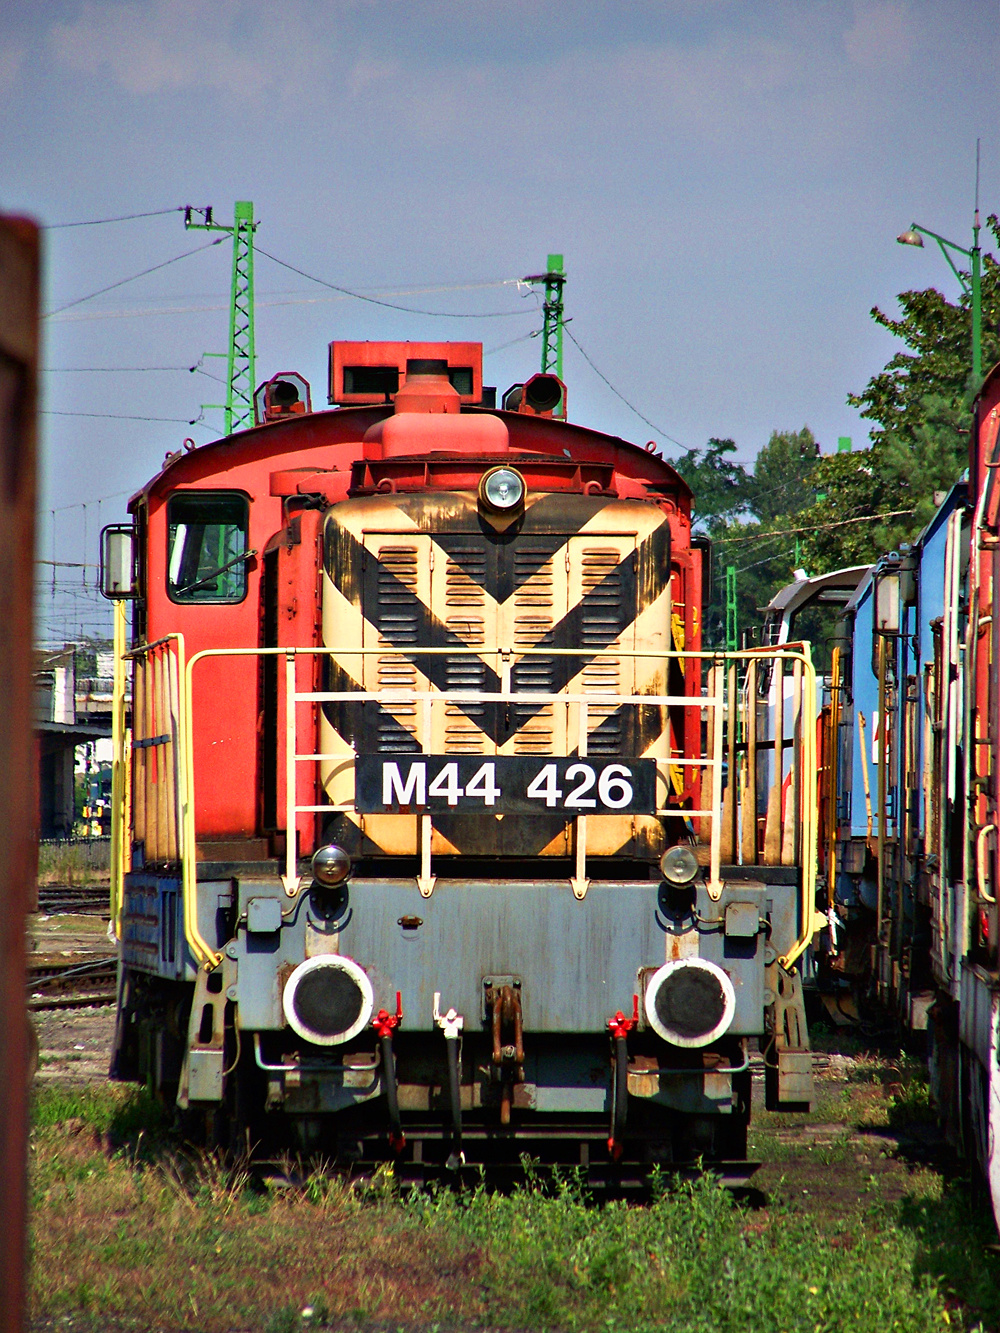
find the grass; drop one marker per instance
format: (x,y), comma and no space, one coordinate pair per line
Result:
(128,1233)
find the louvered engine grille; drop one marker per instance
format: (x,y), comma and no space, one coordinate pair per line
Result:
(602,622)
(397,615)
(534,616)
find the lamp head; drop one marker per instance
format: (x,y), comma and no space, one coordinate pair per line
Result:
(911,237)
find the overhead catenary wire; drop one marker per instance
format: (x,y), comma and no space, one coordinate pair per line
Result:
(102,222)
(97,500)
(688,448)
(812,527)
(196,369)
(121,416)
(154,268)
(392,305)
(116,370)
(742,569)
(142,312)
(491,351)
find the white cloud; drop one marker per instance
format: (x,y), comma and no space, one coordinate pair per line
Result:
(234,46)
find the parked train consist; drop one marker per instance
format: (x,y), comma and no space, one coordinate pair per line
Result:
(911,793)
(437,837)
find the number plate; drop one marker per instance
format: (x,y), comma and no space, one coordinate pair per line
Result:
(505,784)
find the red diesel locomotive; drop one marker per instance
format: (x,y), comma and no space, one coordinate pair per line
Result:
(424,843)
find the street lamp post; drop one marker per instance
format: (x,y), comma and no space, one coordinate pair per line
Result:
(972,286)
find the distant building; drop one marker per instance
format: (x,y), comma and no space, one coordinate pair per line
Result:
(70,711)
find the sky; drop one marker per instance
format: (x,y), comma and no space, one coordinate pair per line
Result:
(725,179)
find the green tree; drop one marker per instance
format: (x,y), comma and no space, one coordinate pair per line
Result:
(936,360)
(763,563)
(781,482)
(921,407)
(720,485)
(737,509)
(889,489)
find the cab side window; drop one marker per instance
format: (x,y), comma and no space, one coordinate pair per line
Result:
(207,546)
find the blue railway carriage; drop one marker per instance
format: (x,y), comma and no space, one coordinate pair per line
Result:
(910,794)
(895,864)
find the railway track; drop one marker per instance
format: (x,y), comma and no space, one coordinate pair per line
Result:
(55,983)
(81,899)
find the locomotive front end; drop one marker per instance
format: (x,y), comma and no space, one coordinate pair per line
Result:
(559,856)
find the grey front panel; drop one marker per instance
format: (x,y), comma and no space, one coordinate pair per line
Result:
(578,961)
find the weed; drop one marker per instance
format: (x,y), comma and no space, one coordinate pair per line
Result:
(174,1239)
(285,1320)
(910,1104)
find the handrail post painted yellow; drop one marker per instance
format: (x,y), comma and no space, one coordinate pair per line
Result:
(812,920)
(290,879)
(119,822)
(806,745)
(716,702)
(205,955)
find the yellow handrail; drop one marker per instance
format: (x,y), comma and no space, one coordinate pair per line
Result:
(811,919)
(981,837)
(180,810)
(119,822)
(209,957)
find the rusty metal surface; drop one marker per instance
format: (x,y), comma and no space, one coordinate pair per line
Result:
(508,1057)
(19,278)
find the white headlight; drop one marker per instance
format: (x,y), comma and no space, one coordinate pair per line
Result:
(679,864)
(330,865)
(502,489)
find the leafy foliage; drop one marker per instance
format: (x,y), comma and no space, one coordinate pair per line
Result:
(738,509)
(899,477)
(720,486)
(937,365)
(797,509)
(782,482)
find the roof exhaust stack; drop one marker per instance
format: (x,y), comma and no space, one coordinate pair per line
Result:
(427,388)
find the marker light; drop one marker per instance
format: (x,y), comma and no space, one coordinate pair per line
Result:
(679,864)
(328,999)
(330,865)
(502,489)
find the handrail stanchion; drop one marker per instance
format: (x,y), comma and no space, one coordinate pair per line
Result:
(173,705)
(727,852)
(812,920)
(791,819)
(152,846)
(119,811)
(717,701)
(803,753)
(580,882)
(290,879)
(749,802)
(772,827)
(204,954)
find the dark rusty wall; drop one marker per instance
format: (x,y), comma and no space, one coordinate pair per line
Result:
(19,264)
